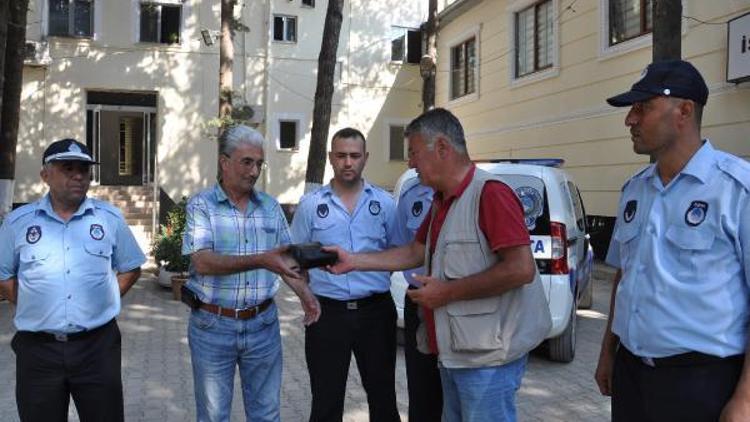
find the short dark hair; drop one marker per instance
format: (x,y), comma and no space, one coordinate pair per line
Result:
(349,132)
(439,121)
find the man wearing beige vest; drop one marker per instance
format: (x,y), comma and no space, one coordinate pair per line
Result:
(481,298)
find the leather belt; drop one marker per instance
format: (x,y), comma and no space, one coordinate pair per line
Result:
(683,359)
(246,313)
(353,305)
(65,337)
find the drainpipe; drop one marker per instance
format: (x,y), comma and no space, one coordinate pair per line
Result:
(266,87)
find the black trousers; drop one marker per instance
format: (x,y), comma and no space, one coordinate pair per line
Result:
(422,374)
(370,333)
(49,372)
(684,393)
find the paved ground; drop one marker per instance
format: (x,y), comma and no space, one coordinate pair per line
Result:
(159,387)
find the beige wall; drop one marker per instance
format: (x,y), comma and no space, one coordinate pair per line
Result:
(563,113)
(279,78)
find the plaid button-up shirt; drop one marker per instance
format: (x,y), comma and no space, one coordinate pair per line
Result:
(214,223)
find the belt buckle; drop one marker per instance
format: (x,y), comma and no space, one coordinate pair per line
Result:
(648,362)
(351,305)
(237,313)
(61,337)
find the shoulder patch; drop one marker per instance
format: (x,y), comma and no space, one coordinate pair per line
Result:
(736,168)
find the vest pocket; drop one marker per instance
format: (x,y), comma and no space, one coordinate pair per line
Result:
(475,325)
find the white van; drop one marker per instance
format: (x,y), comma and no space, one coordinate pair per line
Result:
(556,220)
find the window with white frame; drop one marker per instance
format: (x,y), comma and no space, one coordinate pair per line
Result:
(406,45)
(288,135)
(463,68)
(629,19)
(160,22)
(308,3)
(396,144)
(534,36)
(71,18)
(285,28)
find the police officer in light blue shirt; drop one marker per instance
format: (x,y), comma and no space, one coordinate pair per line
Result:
(678,331)
(357,311)
(425,391)
(66,260)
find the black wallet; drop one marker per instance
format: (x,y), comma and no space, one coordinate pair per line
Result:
(310,255)
(189,298)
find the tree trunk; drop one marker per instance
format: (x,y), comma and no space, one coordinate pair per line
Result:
(226,59)
(428,64)
(14,52)
(3,39)
(316,158)
(667,32)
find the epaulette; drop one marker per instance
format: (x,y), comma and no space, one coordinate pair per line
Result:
(736,168)
(21,211)
(106,206)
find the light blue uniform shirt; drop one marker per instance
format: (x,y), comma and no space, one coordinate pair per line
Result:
(322,217)
(213,222)
(684,252)
(413,206)
(66,270)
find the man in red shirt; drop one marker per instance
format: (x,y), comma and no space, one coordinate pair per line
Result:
(482,301)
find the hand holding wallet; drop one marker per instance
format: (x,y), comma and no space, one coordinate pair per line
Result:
(311,255)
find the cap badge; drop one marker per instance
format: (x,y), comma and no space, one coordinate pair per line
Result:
(74,148)
(667,91)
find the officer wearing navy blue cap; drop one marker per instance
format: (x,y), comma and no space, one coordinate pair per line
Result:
(65,261)
(677,333)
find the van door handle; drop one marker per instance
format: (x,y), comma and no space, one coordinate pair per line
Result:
(572,241)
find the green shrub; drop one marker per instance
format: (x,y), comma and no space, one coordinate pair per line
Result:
(167,248)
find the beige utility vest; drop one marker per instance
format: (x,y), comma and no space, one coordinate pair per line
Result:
(489,331)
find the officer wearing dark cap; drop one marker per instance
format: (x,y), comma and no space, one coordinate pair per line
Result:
(677,333)
(65,261)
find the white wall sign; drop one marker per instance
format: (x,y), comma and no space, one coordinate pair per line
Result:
(738,49)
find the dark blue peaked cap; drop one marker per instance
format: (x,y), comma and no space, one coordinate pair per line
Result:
(67,150)
(670,78)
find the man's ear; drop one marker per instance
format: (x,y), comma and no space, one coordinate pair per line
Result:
(687,111)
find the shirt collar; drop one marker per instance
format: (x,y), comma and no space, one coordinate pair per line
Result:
(327,190)
(699,165)
(701,162)
(461,187)
(221,196)
(45,205)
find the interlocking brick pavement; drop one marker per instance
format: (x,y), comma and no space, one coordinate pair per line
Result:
(158,383)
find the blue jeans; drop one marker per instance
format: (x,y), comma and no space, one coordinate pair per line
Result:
(217,346)
(482,394)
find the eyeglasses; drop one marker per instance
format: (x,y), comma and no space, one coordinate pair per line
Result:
(249,163)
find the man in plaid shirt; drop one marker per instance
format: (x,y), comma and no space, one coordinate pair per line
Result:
(235,236)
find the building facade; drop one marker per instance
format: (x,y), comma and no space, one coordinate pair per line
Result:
(529,78)
(138,81)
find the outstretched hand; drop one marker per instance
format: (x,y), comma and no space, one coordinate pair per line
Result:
(433,293)
(345,262)
(280,262)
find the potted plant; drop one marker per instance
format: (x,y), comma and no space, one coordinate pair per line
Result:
(167,250)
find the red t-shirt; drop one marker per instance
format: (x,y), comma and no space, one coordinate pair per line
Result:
(500,219)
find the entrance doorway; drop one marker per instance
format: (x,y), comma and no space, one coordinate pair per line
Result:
(121,132)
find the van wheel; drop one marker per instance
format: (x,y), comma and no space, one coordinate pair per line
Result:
(563,347)
(587,297)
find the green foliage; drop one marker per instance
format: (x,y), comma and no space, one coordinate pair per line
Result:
(167,248)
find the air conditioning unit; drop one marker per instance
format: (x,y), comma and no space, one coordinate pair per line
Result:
(36,53)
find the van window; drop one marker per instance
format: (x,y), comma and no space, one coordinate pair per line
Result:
(533,196)
(575,199)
